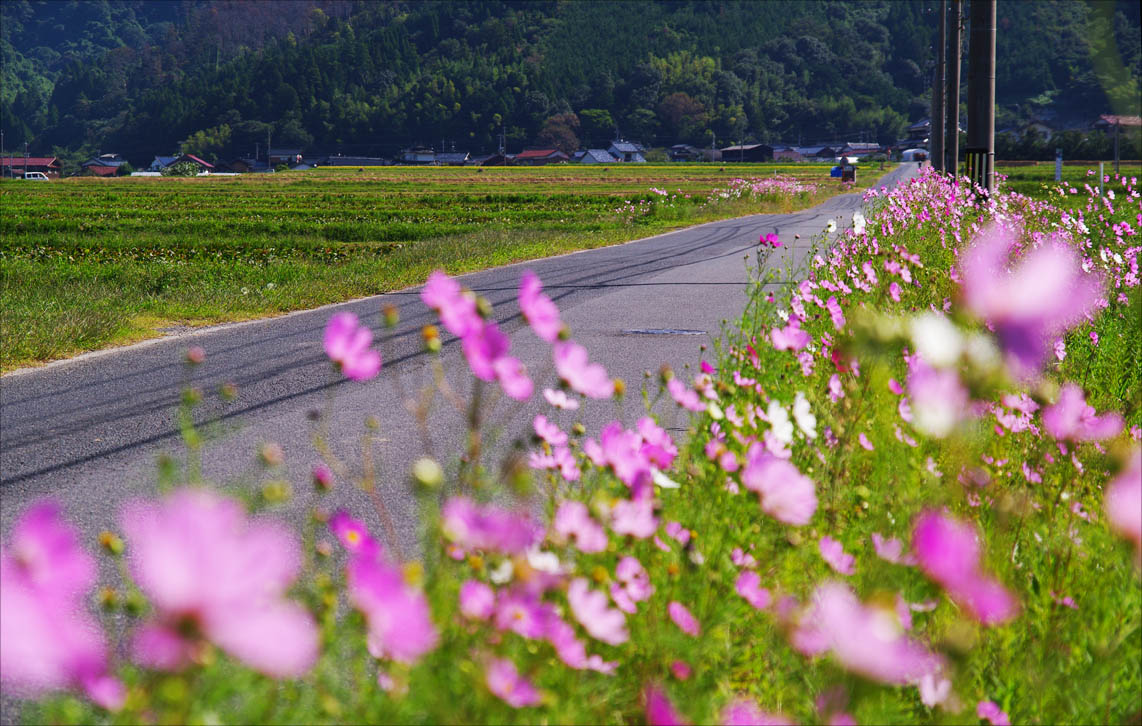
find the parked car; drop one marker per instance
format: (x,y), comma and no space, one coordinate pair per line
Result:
(35,176)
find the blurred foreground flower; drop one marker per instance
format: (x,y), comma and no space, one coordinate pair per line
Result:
(538,309)
(211,573)
(948,551)
(48,641)
(1045,293)
(1124,502)
(347,344)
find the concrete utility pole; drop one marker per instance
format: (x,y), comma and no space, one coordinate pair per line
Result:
(952,104)
(936,120)
(980,151)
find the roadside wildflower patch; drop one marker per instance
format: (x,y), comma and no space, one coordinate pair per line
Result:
(909,494)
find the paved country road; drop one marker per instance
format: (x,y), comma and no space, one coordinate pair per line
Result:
(89,431)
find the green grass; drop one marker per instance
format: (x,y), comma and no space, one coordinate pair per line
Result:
(87,263)
(1038,181)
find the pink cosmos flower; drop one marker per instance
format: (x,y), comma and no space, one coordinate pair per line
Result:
(523,613)
(634,517)
(745,712)
(200,561)
(591,610)
(561,400)
(791,337)
(573,521)
(834,553)
(770,240)
(548,431)
(681,670)
(948,551)
(513,378)
(682,617)
(991,711)
(540,313)
(891,550)
(623,451)
(488,527)
(505,682)
(572,366)
(477,600)
(786,494)
(748,585)
(657,446)
(1124,502)
(633,578)
(1045,293)
(659,710)
(347,344)
(835,312)
(1072,419)
(400,624)
(939,399)
(457,309)
(482,346)
(48,640)
(865,640)
(684,397)
(353,535)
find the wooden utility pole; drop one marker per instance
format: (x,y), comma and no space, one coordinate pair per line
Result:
(952,103)
(980,151)
(936,122)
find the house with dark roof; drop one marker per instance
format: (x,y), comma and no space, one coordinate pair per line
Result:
(627,151)
(419,156)
(817,152)
(452,158)
(540,157)
(859,149)
(684,152)
(748,153)
(249,166)
(596,156)
(358,161)
(787,153)
(285,156)
(161,162)
(103,165)
(15,166)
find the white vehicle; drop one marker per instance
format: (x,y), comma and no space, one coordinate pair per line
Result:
(35,176)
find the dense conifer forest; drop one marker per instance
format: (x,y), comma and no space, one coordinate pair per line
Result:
(217,77)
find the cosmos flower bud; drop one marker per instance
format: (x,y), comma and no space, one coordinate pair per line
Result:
(195,355)
(427,472)
(391,315)
(111,542)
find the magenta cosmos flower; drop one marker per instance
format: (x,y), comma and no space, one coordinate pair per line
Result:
(786,494)
(748,585)
(744,712)
(400,624)
(572,366)
(685,397)
(347,344)
(211,573)
(948,551)
(48,640)
(1030,304)
(1124,502)
(540,313)
(505,682)
(865,640)
(1073,419)
(477,600)
(487,527)
(659,710)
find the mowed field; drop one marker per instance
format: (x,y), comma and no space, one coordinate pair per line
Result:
(1038,181)
(86,263)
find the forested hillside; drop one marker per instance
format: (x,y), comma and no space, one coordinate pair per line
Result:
(142,78)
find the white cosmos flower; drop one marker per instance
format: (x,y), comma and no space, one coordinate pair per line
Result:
(780,423)
(858,223)
(831,226)
(806,421)
(662,480)
(937,339)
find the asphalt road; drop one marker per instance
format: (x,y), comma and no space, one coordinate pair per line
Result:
(89,431)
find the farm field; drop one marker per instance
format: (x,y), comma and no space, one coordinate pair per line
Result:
(1037,181)
(87,263)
